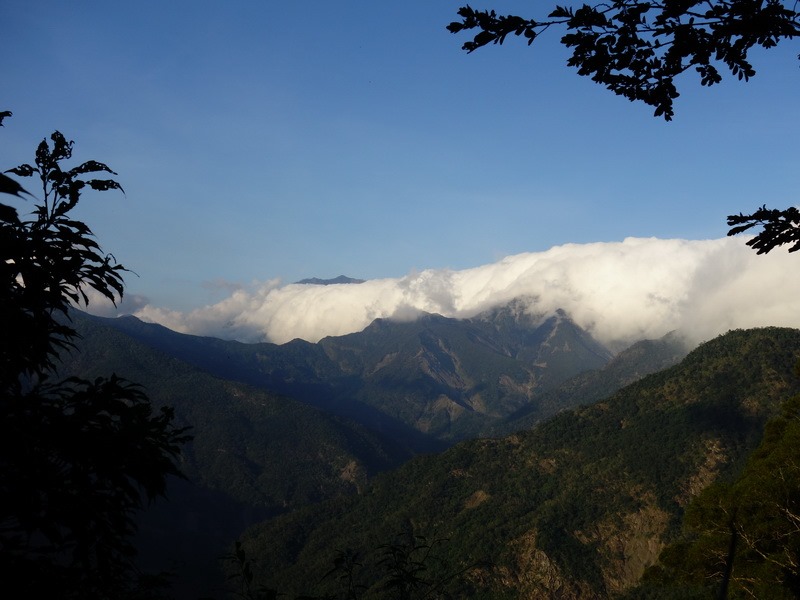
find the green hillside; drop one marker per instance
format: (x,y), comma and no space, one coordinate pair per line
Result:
(742,535)
(254,454)
(576,507)
(641,359)
(246,441)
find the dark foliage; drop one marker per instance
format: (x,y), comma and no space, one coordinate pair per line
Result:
(779,227)
(48,263)
(405,567)
(637,49)
(77,458)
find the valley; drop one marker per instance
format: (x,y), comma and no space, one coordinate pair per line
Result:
(539,463)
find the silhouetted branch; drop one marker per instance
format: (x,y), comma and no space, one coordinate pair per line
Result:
(780,227)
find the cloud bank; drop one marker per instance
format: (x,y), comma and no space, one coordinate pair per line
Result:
(621,292)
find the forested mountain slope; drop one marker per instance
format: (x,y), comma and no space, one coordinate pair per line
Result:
(257,453)
(630,365)
(254,454)
(576,507)
(428,380)
(740,538)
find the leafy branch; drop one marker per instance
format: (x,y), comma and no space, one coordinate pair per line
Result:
(779,227)
(637,48)
(50,261)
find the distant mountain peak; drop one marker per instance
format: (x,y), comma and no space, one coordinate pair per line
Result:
(334,281)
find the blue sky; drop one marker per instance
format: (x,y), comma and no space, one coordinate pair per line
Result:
(264,140)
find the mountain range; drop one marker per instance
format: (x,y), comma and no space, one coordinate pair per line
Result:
(429,380)
(280,428)
(578,506)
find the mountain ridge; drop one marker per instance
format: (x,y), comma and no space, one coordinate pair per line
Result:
(577,506)
(255,454)
(435,353)
(341,279)
(447,379)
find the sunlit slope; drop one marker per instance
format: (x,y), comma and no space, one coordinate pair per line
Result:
(576,507)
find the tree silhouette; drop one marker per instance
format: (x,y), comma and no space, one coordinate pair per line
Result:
(78,458)
(638,48)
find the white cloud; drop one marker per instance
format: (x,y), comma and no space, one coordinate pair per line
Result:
(103,307)
(622,292)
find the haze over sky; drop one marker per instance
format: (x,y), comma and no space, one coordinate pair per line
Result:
(260,143)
